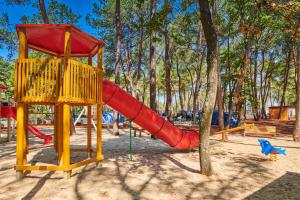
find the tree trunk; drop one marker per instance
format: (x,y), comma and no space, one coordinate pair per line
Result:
(212,75)
(43,11)
(286,79)
(219,87)
(179,87)
(198,71)
(167,74)
(296,132)
(152,62)
(140,54)
(118,60)
(238,98)
(152,70)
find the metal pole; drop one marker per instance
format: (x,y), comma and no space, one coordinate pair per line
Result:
(130,141)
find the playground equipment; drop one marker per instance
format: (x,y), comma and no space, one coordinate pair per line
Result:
(10,112)
(107,118)
(61,82)
(230,130)
(4,87)
(64,82)
(143,116)
(267,148)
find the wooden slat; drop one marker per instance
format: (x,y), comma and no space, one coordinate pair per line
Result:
(39,167)
(38,80)
(82,163)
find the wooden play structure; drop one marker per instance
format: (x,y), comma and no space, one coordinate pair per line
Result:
(283,113)
(8,124)
(231,130)
(60,81)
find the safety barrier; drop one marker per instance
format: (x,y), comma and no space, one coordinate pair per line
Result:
(50,81)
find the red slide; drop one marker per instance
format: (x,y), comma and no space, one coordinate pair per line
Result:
(10,112)
(136,111)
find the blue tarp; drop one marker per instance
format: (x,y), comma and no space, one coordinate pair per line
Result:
(215,121)
(108,118)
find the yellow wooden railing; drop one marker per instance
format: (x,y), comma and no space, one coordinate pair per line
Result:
(49,81)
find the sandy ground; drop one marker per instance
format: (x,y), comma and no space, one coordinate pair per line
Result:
(158,172)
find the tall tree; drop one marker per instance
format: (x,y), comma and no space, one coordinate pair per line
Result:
(118,59)
(167,74)
(43,11)
(152,74)
(296,132)
(212,75)
(219,87)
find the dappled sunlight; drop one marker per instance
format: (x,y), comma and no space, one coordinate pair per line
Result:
(156,171)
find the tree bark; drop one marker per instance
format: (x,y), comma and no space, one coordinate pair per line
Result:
(212,75)
(296,132)
(140,55)
(43,11)
(238,98)
(286,79)
(152,62)
(219,87)
(118,60)
(198,70)
(179,87)
(167,74)
(152,74)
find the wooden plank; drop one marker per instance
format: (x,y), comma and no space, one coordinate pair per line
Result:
(260,130)
(235,129)
(81,163)
(39,167)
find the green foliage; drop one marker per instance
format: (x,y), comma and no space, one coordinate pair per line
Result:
(7,35)
(58,13)
(7,76)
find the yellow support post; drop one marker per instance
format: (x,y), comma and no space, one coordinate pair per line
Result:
(89,122)
(99,154)
(55,128)
(21,132)
(59,133)
(26,133)
(66,139)
(22,114)
(66,119)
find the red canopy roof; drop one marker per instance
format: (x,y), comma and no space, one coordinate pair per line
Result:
(49,39)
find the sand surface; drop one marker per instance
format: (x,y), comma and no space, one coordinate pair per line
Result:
(158,171)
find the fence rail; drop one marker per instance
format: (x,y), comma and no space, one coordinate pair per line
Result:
(50,81)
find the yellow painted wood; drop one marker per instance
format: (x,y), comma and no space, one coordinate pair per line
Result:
(236,128)
(66,108)
(80,82)
(89,128)
(224,132)
(21,144)
(82,163)
(60,82)
(82,150)
(55,128)
(60,134)
(99,154)
(26,133)
(23,53)
(40,167)
(20,154)
(89,111)
(66,135)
